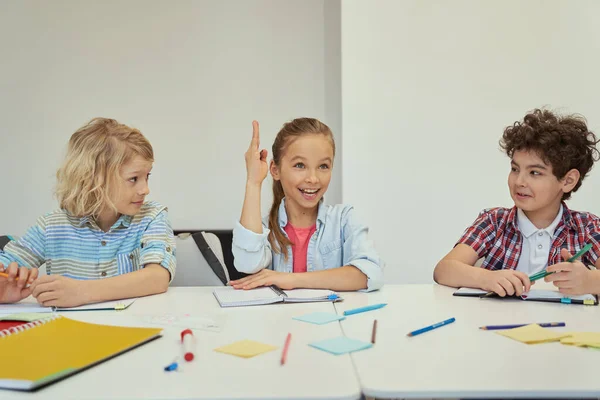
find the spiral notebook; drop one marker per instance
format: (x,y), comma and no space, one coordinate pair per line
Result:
(44,351)
(230,297)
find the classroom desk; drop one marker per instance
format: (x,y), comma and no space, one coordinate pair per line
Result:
(308,374)
(460,360)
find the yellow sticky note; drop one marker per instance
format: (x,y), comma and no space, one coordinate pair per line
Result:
(583,339)
(533,334)
(246,348)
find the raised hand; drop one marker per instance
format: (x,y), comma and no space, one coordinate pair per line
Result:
(256,160)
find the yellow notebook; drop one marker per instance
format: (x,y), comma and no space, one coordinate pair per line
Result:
(44,351)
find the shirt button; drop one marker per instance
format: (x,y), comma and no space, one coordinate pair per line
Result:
(540,246)
(103,273)
(168,249)
(103,243)
(131,257)
(541,234)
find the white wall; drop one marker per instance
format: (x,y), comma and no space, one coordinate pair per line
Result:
(427,89)
(190,74)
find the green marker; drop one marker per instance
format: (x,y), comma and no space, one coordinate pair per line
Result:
(543,274)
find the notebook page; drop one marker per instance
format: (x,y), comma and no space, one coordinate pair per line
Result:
(307,295)
(230,297)
(27,305)
(105,305)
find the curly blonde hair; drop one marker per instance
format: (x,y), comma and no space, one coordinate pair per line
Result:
(96,152)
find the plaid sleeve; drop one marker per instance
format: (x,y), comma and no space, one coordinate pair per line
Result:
(158,244)
(593,237)
(481,234)
(30,250)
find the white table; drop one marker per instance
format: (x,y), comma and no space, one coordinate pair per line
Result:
(308,373)
(460,360)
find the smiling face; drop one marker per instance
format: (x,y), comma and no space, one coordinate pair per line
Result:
(305,170)
(533,186)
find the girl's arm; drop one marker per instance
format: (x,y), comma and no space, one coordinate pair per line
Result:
(250,247)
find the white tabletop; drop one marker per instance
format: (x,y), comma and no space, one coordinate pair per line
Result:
(138,374)
(460,360)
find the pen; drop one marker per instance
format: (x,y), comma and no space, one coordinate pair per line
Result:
(363,309)
(431,327)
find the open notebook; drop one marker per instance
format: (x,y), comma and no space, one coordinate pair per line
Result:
(543,294)
(30,305)
(44,351)
(230,297)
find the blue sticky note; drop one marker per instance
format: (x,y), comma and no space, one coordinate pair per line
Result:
(319,318)
(341,345)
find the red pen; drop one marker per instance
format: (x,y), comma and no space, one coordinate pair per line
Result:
(187,339)
(286,346)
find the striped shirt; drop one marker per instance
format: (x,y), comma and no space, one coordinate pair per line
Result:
(496,237)
(77,248)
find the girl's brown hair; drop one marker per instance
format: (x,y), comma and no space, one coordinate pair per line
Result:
(288,133)
(95,154)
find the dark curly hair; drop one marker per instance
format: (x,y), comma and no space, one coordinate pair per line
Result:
(564,142)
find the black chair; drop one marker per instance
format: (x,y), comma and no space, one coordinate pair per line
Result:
(226,238)
(5,239)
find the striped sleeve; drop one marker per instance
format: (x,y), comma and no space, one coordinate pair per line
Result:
(158,243)
(28,251)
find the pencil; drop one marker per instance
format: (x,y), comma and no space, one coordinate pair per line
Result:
(543,325)
(286,346)
(374,333)
(544,273)
(5,275)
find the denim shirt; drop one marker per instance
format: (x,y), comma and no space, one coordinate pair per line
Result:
(338,241)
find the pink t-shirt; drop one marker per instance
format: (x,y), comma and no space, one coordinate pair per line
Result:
(300,238)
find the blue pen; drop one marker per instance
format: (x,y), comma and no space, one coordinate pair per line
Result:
(431,327)
(363,309)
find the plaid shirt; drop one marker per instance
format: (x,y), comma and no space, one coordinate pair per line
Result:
(495,236)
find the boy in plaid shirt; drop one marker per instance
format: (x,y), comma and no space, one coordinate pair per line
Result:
(550,156)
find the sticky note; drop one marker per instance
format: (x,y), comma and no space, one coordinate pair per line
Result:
(319,318)
(246,348)
(533,334)
(582,339)
(341,345)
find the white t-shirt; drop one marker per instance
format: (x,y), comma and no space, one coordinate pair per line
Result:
(536,243)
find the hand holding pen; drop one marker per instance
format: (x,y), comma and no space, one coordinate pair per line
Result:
(573,278)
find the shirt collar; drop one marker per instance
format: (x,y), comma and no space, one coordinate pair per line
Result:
(283,219)
(527,228)
(124,221)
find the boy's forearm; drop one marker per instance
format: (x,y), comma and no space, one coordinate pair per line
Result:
(152,279)
(458,274)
